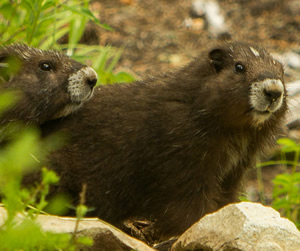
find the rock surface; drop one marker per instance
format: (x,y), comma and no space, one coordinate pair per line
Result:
(293,117)
(105,236)
(243,226)
(214,17)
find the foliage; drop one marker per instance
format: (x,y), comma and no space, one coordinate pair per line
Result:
(41,23)
(17,158)
(103,61)
(286,190)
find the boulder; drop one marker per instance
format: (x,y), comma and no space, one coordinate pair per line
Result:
(104,235)
(243,226)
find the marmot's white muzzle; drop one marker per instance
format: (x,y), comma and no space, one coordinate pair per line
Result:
(266,97)
(81,84)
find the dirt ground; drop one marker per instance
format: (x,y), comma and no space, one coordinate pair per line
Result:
(162,35)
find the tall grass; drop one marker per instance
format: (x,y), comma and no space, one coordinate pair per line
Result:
(42,23)
(286,186)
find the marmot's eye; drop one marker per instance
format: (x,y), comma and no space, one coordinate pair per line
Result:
(44,66)
(239,68)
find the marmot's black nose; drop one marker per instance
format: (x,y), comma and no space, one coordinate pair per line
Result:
(91,76)
(91,82)
(272,95)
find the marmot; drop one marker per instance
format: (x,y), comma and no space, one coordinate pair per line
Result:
(50,84)
(173,148)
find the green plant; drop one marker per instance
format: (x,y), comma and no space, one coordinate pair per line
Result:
(81,211)
(41,23)
(103,60)
(19,154)
(286,190)
(286,196)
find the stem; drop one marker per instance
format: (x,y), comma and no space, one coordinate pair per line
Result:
(54,27)
(284,160)
(296,158)
(260,185)
(36,16)
(9,19)
(79,217)
(278,162)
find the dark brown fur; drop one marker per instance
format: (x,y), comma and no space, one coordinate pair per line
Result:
(169,149)
(42,93)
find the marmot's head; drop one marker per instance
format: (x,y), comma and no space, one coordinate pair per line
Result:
(244,84)
(50,84)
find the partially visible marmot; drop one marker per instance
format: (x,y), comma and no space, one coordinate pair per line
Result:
(50,84)
(174,148)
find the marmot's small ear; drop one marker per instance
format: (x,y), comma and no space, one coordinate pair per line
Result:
(217,59)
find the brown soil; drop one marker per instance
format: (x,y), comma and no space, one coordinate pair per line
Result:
(156,38)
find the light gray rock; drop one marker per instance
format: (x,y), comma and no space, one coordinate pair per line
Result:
(293,88)
(243,226)
(292,59)
(211,10)
(105,236)
(293,116)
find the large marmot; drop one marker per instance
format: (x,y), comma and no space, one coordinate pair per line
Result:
(173,148)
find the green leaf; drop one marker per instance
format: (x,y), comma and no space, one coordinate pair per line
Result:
(58,205)
(28,5)
(123,77)
(296,177)
(77,26)
(84,241)
(6,10)
(282,179)
(48,5)
(81,211)
(14,238)
(87,13)
(286,142)
(49,176)
(7,99)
